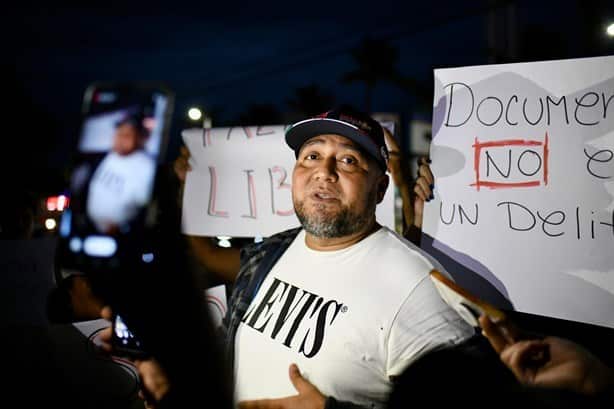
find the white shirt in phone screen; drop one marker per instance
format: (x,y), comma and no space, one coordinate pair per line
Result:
(119,188)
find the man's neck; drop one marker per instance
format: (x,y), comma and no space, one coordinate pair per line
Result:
(338,243)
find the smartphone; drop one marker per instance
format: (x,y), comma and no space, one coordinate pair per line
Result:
(122,140)
(124,342)
(469,307)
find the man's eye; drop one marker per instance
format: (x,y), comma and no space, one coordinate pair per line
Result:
(311,156)
(348,160)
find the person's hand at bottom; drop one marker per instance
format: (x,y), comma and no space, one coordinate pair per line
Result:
(154,382)
(309,397)
(550,362)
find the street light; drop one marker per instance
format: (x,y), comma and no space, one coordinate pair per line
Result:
(194,114)
(50,224)
(610,30)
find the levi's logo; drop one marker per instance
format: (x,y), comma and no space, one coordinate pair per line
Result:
(295,317)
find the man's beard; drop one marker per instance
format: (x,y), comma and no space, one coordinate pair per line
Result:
(344,223)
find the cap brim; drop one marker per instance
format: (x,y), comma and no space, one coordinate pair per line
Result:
(300,132)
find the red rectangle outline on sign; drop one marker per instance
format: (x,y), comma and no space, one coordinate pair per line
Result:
(478,146)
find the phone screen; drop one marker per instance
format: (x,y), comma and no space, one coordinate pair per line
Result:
(121,141)
(124,341)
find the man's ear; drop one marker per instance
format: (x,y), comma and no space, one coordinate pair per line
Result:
(382,185)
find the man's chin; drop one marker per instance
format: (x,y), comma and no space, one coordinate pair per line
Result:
(328,207)
(323,216)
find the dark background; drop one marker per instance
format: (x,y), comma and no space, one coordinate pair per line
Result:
(258,63)
(254,63)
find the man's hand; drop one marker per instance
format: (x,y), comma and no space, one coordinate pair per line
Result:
(396,162)
(309,397)
(423,190)
(181,165)
(399,169)
(107,333)
(154,381)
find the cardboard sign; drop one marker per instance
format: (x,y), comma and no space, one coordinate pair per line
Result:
(241,183)
(523,156)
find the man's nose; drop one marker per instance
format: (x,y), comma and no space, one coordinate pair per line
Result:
(327,169)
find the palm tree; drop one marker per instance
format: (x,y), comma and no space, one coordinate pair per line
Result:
(376,61)
(309,101)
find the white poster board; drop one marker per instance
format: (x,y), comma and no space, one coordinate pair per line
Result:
(523,156)
(241,183)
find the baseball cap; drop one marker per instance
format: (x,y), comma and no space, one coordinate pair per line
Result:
(346,121)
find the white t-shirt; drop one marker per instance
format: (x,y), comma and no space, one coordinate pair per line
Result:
(350,319)
(120,186)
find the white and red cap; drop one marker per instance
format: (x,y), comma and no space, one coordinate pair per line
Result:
(363,130)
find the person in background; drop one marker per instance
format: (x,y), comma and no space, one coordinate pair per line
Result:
(412,199)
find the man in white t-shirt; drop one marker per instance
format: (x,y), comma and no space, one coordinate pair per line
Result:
(122,182)
(347,300)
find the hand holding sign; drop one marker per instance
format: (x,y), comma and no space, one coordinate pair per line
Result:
(524,160)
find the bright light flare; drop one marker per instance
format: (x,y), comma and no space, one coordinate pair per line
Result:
(610,30)
(50,224)
(57,203)
(62,203)
(195,114)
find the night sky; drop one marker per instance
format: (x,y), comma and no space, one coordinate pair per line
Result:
(243,61)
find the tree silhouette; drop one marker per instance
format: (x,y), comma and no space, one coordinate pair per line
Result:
(376,61)
(309,101)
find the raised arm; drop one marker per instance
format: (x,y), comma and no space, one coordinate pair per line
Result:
(397,166)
